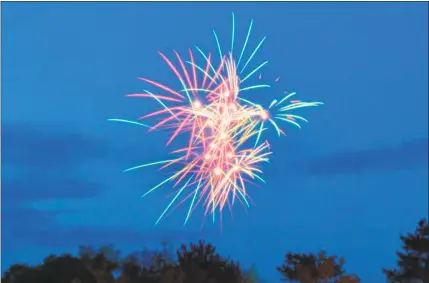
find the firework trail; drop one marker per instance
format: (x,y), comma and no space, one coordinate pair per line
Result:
(225,147)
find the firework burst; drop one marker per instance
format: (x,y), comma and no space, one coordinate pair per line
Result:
(218,161)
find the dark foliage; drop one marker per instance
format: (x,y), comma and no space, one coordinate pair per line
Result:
(201,263)
(311,268)
(62,269)
(18,273)
(198,263)
(413,262)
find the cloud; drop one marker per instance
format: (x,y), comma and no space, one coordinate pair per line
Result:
(36,188)
(19,224)
(20,217)
(46,159)
(19,227)
(33,227)
(65,238)
(42,147)
(28,219)
(406,155)
(26,225)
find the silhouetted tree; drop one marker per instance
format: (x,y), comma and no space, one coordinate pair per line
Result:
(55,269)
(200,263)
(18,273)
(311,268)
(132,270)
(413,262)
(102,263)
(64,269)
(146,266)
(196,263)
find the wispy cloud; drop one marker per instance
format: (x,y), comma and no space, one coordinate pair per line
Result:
(42,147)
(28,219)
(36,188)
(65,238)
(45,162)
(406,155)
(19,224)
(20,218)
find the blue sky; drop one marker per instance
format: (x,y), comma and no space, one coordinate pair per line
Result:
(349,182)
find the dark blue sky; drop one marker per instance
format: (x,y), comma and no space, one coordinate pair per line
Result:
(350,181)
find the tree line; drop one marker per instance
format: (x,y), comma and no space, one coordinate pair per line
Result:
(201,263)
